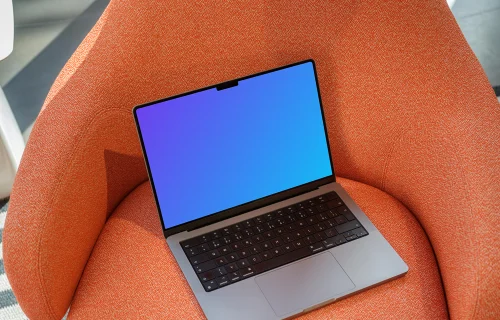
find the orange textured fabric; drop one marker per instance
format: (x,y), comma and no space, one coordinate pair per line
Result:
(408,108)
(132,273)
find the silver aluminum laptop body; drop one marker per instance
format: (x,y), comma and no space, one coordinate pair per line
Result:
(300,286)
(303,285)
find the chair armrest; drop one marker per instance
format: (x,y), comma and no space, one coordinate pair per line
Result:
(77,166)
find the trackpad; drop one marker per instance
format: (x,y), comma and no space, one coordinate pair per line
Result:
(304,284)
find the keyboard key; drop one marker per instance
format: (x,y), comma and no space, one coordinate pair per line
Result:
(331,233)
(204,248)
(311,211)
(248,224)
(205,238)
(280,222)
(359,232)
(280,213)
(259,220)
(258,238)
(346,213)
(316,247)
(291,209)
(207,276)
(277,242)
(224,250)
(234,276)
(259,229)
(309,240)
(220,271)
(243,263)
(288,247)
(205,266)
(236,246)
(348,226)
(210,285)
(266,245)
(270,225)
(247,233)
(321,199)
(247,242)
(247,272)
(322,207)
(255,250)
(267,255)
(329,243)
(277,251)
(237,227)
(223,281)
(215,234)
(227,240)
(238,236)
(334,204)
(214,254)
(339,239)
(269,216)
(299,234)
(350,238)
(232,267)
(322,217)
(232,257)
(190,252)
(221,261)
(309,230)
(215,244)
(340,220)
(331,223)
(287,238)
(255,259)
(199,259)
(268,234)
(332,195)
(299,243)
(332,213)
(301,206)
(320,227)
(279,231)
(190,243)
(244,253)
(349,233)
(312,220)
(320,236)
(226,231)
(301,215)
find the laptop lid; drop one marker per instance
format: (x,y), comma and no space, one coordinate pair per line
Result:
(230,148)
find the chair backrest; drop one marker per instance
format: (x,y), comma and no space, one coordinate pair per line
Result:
(408,107)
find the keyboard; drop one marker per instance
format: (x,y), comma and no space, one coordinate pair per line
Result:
(248,248)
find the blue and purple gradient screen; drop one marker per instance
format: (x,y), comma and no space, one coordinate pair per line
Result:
(214,150)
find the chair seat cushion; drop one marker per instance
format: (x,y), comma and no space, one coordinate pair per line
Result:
(132,273)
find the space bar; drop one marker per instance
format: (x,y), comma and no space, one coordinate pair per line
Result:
(282,260)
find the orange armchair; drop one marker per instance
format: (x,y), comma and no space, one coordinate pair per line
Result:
(413,124)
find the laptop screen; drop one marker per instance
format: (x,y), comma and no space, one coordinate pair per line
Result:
(212,150)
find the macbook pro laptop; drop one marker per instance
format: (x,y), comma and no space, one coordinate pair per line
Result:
(245,187)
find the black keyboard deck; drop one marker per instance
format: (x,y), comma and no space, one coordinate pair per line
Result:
(257,245)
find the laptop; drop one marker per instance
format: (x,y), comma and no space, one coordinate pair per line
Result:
(246,192)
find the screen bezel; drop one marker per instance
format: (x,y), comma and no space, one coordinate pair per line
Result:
(248,206)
